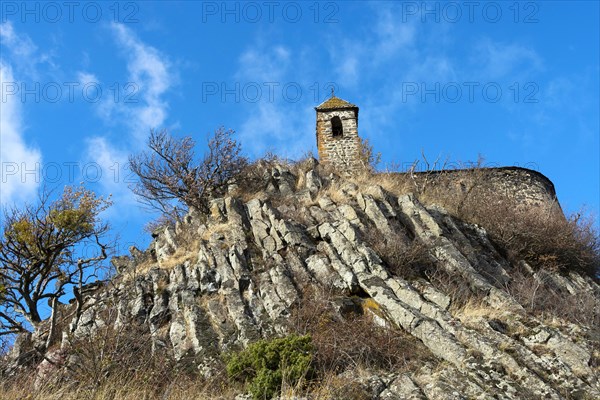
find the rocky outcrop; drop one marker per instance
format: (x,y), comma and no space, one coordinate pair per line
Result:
(252,260)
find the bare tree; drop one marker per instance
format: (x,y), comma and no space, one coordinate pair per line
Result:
(170,175)
(369,159)
(46,249)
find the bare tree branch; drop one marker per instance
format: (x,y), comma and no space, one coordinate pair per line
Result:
(39,244)
(170,173)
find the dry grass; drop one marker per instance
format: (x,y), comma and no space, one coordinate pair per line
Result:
(179,388)
(477,309)
(538,234)
(180,256)
(211,229)
(394,183)
(339,191)
(117,362)
(406,258)
(334,386)
(548,301)
(351,339)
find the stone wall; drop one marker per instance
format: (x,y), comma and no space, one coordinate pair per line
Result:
(341,152)
(526,186)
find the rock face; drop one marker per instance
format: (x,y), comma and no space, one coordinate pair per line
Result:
(251,261)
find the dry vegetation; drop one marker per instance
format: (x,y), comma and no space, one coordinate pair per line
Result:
(119,363)
(406,258)
(115,363)
(538,241)
(347,337)
(541,295)
(540,235)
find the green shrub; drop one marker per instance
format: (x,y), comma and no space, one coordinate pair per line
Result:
(267,364)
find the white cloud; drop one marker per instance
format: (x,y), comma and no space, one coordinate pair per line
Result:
(275,123)
(115,178)
(289,126)
(151,75)
(85,78)
(265,65)
(382,41)
(348,71)
(280,128)
(24,54)
(565,103)
(392,36)
(496,60)
(20,46)
(16,156)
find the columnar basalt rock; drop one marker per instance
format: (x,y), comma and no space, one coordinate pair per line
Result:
(337,134)
(254,258)
(242,281)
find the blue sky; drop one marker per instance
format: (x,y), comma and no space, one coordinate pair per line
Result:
(83,83)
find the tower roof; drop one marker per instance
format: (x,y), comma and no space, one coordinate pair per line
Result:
(334,103)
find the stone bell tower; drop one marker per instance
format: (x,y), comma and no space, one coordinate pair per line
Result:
(337,133)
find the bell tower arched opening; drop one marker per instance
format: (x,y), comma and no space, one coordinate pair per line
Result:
(337,129)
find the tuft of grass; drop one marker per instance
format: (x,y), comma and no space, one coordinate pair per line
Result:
(475,309)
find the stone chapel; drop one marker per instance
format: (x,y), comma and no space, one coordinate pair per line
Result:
(338,143)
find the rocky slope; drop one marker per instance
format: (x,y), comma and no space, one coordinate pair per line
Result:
(211,284)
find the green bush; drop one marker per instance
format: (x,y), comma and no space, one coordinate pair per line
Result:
(266,364)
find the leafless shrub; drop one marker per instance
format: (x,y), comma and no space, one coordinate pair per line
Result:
(423,181)
(162,222)
(403,257)
(352,339)
(170,175)
(369,158)
(536,233)
(255,176)
(122,352)
(116,362)
(540,236)
(541,295)
(305,163)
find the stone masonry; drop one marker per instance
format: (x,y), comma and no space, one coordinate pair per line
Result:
(337,134)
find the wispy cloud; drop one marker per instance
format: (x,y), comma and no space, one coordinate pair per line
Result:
(23,53)
(19,45)
(150,76)
(356,58)
(20,161)
(115,174)
(566,101)
(496,60)
(264,64)
(16,156)
(389,57)
(391,36)
(279,122)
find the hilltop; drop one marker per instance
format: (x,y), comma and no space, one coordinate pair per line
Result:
(448,285)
